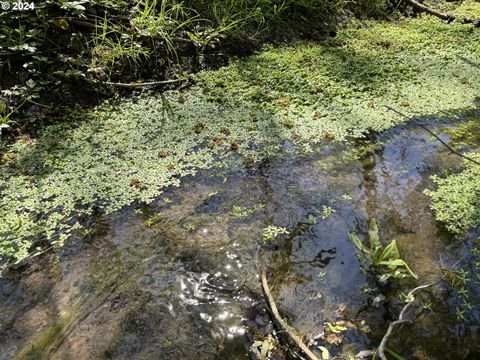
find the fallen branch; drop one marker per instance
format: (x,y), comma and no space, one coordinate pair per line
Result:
(435,136)
(282,322)
(443,16)
(401,320)
(140,84)
(38,104)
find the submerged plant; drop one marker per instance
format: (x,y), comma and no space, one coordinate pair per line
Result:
(385,260)
(462,282)
(243,211)
(327,211)
(271,233)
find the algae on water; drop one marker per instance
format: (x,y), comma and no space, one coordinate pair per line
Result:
(304,94)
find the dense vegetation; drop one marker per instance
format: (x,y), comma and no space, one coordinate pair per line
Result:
(49,53)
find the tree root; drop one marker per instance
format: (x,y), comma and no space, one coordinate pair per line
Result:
(273,307)
(447,17)
(401,320)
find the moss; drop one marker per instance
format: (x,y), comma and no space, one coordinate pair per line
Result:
(305,93)
(456,200)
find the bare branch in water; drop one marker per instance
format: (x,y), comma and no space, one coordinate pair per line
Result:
(435,136)
(401,320)
(273,307)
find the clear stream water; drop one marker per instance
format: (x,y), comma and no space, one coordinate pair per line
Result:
(178,279)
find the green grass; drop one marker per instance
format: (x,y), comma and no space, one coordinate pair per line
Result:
(307,93)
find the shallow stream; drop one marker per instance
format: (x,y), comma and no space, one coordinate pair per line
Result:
(178,279)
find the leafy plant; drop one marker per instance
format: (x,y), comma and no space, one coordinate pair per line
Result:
(462,283)
(243,212)
(385,260)
(456,199)
(100,160)
(74,6)
(271,233)
(327,211)
(264,346)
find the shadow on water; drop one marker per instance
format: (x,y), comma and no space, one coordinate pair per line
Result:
(177,279)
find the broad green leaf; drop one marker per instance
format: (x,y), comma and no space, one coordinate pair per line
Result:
(265,349)
(390,251)
(392,263)
(357,242)
(398,262)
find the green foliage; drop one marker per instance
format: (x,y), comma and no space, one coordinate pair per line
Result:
(462,9)
(339,88)
(463,282)
(272,233)
(243,212)
(456,199)
(265,346)
(327,211)
(386,260)
(369,8)
(467,133)
(63,41)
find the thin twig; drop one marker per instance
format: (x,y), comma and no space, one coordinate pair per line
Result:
(435,136)
(38,104)
(401,320)
(443,16)
(140,84)
(282,322)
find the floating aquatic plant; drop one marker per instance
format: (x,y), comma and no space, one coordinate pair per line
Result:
(456,199)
